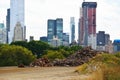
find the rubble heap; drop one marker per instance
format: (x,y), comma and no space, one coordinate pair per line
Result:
(77,58)
(42,62)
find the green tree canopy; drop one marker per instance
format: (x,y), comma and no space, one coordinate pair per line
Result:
(15,55)
(38,47)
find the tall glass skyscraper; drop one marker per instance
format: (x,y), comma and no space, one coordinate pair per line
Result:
(16,15)
(72,26)
(55,31)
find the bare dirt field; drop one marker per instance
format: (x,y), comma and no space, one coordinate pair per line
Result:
(39,73)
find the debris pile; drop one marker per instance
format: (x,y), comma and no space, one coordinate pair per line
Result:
(41,62)
(77,58)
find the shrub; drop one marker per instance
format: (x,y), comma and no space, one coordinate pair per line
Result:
(15,55)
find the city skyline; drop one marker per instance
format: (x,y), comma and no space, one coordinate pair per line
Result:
(38,12)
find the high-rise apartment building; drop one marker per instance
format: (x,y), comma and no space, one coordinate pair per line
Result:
(72,27)
(87,24)
(55,31)
(16,16)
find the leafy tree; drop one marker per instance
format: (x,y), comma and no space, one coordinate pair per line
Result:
(15,55)
(20,43)
(38,47)
(64,52)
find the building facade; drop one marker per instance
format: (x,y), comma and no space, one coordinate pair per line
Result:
(18,31)
(103,42)
(3,35)
(101,38)
(72,27)
(55,31)
(65,39)
(87,24)
(16,15)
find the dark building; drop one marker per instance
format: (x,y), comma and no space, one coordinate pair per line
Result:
(87,24)
(44,39)
(102,38)
(8,23)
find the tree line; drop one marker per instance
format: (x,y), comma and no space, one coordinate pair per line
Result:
(22,52)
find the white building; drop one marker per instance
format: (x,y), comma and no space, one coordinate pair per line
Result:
(55,42)
(18,32)
(92,41)
(16,15)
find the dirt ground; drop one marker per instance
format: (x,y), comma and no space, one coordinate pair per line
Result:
(39,73)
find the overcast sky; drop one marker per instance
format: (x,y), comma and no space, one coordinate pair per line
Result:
(37,12)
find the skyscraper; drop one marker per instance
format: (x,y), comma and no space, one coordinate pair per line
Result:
(16,16)
(72,26)
(55,31)
(50,29)
(87,24)
(8,23)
